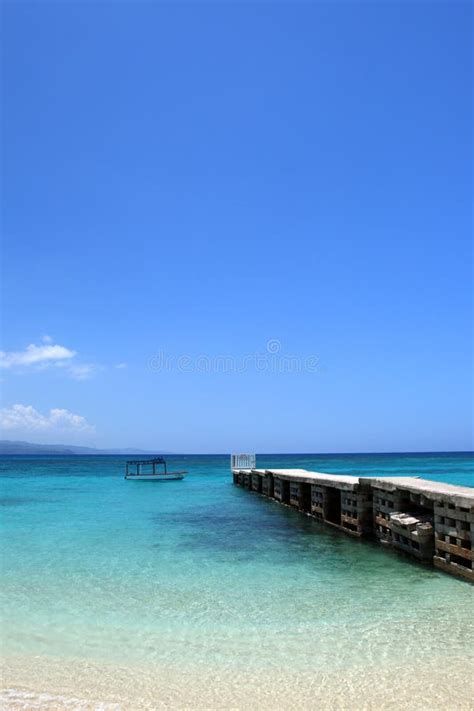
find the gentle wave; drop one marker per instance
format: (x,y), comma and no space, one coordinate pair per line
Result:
(18,699)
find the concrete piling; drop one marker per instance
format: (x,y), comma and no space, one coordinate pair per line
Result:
(454,535)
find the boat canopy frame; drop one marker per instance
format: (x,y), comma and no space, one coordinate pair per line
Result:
(138,463)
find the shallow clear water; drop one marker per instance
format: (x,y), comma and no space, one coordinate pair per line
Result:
(200,573)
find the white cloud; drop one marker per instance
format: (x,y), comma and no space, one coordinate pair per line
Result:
(49,355)
(33,355)
(26,418)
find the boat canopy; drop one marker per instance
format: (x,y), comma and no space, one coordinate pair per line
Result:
(153,460)
(141,464)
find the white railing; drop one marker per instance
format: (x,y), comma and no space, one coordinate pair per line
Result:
(243,461)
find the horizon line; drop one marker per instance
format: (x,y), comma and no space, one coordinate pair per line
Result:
(260,454)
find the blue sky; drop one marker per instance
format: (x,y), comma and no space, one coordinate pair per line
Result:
(286,186)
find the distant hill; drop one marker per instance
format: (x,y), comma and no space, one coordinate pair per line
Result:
(13,447)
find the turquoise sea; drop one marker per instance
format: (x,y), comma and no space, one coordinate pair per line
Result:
(197,594)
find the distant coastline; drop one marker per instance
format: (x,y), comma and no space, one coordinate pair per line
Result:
(17,447)
(10,447)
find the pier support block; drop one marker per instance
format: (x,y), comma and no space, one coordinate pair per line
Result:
(267,484)
(281,490)
(300,496)
(386,502)
(454,536)
(356,511)
(317,501)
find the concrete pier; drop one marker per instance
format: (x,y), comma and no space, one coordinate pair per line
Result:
(428,520)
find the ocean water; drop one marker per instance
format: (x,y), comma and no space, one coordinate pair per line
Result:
(197,594)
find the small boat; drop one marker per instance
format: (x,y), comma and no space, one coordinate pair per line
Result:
(150,470)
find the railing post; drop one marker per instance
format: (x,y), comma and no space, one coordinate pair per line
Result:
(243,461)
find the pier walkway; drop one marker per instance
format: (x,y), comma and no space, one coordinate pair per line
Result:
(428,520)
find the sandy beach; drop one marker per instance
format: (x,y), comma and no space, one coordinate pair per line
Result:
(41,683)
